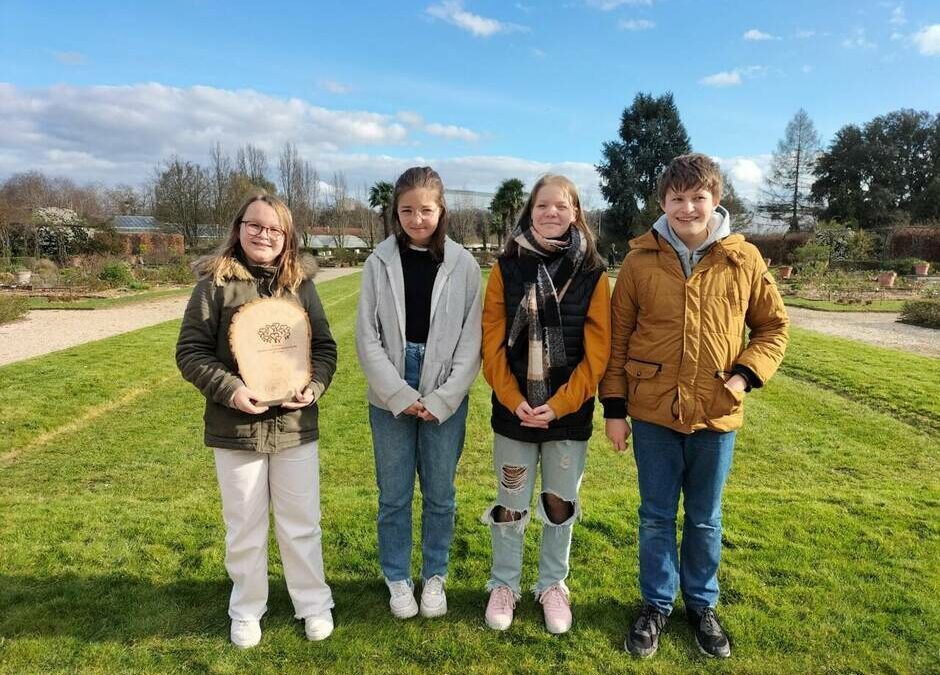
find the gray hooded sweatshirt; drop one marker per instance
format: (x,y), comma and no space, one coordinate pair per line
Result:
(452,355)
(719,227)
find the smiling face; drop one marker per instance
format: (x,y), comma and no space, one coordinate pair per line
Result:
(689,212)
(552,211)
(264,247)
(419,211)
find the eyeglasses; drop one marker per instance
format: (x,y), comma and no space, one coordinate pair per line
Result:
(254,229)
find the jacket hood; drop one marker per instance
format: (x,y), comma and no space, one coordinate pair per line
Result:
(388,250)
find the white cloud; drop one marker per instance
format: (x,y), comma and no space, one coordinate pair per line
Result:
(928,40)
(897,16)
(858,40)
(733,78)
(537,53)
(452,132)
(608,5)
(70,58)
(120,133)
(805,34)
(637,24)
(726,78)
(412,119)
(747,173)
(334,87)
(755,35)
(452,12)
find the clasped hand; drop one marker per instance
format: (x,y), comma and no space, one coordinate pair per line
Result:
(418,410)
(537,418)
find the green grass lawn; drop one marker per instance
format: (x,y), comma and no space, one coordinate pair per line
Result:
(102,303)
(891,306)
(111,544)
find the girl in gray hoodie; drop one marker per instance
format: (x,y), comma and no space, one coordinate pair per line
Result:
(418,340)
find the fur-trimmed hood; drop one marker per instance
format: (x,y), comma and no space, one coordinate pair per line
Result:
(223,268)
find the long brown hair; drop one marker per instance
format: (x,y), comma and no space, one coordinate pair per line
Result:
(290,273)
(592,259)
(428,178)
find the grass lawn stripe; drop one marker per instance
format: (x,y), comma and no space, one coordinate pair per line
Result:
(112,544)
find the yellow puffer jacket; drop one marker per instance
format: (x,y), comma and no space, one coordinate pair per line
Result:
(676,340)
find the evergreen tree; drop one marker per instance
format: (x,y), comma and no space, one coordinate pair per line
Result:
(651,134)
(506,204)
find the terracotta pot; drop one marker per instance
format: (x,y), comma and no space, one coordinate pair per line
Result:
(921,269)
(886,279)
(785,271)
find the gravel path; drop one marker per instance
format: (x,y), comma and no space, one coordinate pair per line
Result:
(49,330)
(877,328)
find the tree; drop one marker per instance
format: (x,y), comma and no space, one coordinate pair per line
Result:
(339,216)
(883,173)
(651,135)
(741,214)
(787,189)
(505,206)
(252,162)
(223,199)
(308,200)
(380,197)
(181,192)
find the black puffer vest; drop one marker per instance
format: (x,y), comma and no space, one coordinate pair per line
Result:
(574,306)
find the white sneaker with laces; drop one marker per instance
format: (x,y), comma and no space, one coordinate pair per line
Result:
(319,626)
(246,633)
(433,598)
(402,599)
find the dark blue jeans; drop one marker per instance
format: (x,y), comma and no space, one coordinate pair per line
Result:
(696,465)
(406,446)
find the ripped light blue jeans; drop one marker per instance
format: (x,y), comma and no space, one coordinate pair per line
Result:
(515,463)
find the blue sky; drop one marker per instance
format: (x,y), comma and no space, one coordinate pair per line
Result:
(483,90)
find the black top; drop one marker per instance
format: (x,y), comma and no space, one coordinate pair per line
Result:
(420,270)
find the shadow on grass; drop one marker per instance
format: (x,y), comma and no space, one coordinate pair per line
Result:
(124,608)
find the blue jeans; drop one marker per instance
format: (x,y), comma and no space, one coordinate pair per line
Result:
(515,463)
(405,446)
(667,463)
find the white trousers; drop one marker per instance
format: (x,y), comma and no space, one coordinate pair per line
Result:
(290,482)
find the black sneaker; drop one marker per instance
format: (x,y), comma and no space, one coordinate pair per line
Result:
(643,638)
(709,635)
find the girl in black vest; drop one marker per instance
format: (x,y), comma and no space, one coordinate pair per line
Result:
(546,340)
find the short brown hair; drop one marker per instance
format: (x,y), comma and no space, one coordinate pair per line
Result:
(690,172)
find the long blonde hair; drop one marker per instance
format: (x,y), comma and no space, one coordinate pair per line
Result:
(290,272)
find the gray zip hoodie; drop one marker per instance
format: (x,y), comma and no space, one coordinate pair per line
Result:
(452,354)
(719,227)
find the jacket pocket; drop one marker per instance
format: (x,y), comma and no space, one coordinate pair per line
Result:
(225,422)
(723,402)
(642,377)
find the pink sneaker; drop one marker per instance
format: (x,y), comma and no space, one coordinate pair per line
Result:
(557,609)
(499,608)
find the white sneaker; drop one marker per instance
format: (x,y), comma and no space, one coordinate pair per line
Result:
(319,626)
(433,598)
(402,600)
(245,634)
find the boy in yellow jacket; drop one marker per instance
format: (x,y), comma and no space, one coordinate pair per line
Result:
(679,367)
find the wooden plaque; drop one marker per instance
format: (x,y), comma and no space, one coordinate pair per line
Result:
(270,339)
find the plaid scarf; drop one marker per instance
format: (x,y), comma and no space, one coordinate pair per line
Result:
(545,283)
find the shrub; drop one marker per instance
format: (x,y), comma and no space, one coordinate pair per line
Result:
(902,266)
(922,312)
(117,275)
(7,278)
(177,273)
(12,308)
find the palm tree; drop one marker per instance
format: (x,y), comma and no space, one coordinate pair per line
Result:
(506,204)
(380,197)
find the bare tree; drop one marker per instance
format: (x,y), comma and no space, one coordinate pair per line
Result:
(181,191)
(251,161)
(288,167)
(371,225)
(338,223)
(222,197)
(787,189)
(307,208)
